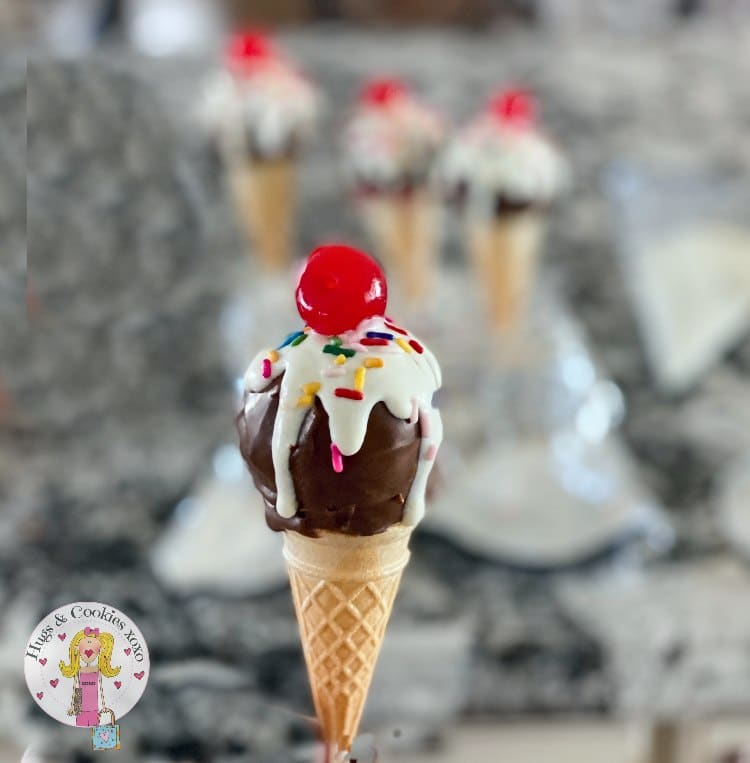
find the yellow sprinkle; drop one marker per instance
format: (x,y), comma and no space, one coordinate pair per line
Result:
(359,379)
(340,360)
(311,388)
(373,362)
(273,356)
(305,400)
(403,345)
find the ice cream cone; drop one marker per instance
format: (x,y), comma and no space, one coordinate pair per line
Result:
(344,587)
(402,228)
(346,467)
(505,251)
(263,192)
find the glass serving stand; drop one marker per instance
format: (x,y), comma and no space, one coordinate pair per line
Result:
(542,479)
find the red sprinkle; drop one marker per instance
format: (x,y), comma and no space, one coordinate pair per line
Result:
(351,394)
(397,329)
(415,345)
(373,342)
(266,369)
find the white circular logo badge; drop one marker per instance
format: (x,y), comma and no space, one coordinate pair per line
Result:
(84,661)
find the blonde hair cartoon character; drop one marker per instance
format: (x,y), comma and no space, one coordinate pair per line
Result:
(90,660)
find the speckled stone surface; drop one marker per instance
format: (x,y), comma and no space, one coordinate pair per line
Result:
(12,170)
(131,254)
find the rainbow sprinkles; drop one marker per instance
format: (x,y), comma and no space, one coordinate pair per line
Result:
(350,373)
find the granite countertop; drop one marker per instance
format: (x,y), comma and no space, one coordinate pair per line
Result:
(132,254)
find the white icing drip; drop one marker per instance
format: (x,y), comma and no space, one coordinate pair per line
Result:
(520,164)
(405,382)
(414,411)
(384,144)
(424,422)
(415,501)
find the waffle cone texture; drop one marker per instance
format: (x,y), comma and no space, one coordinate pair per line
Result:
(343,588)
(505,252)
(263,192)
(403,231)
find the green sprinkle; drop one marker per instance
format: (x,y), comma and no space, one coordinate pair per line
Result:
(301,338)
(337,340)
(334,349)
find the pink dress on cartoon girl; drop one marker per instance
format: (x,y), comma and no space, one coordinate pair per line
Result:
(89,715)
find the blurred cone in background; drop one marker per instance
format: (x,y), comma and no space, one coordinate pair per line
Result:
(343,588)
(505,251)
(263,195)
(403,229)
(390,144)
(260,111)
(505,173)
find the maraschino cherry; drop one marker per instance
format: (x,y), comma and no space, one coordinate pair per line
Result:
(338,288)
(248,48)
(382,91)
(515,107)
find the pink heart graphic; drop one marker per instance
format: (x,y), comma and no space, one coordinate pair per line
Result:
(104,736)
(43,661)
(53,683)
(140,675)
(62,636)
(127,651)
(39,694)
(118,684)
(88,652)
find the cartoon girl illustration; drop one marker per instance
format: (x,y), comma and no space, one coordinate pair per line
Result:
(90,656)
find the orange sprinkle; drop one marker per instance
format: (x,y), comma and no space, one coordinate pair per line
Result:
(273,356)
(311,388)
(305,400)
(373,362)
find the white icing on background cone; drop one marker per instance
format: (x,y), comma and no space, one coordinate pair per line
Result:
(518,163)
(273,105)
(385,144)
(406,376)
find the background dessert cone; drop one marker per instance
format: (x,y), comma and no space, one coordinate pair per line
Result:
(263,193)
(402,228)
(505,252)
(343,588)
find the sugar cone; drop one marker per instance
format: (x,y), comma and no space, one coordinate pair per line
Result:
(263,194)
(403,230)
(343,588)
(505,251)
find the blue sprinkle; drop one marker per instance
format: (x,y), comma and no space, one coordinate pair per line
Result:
(290,338)
(379,335)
